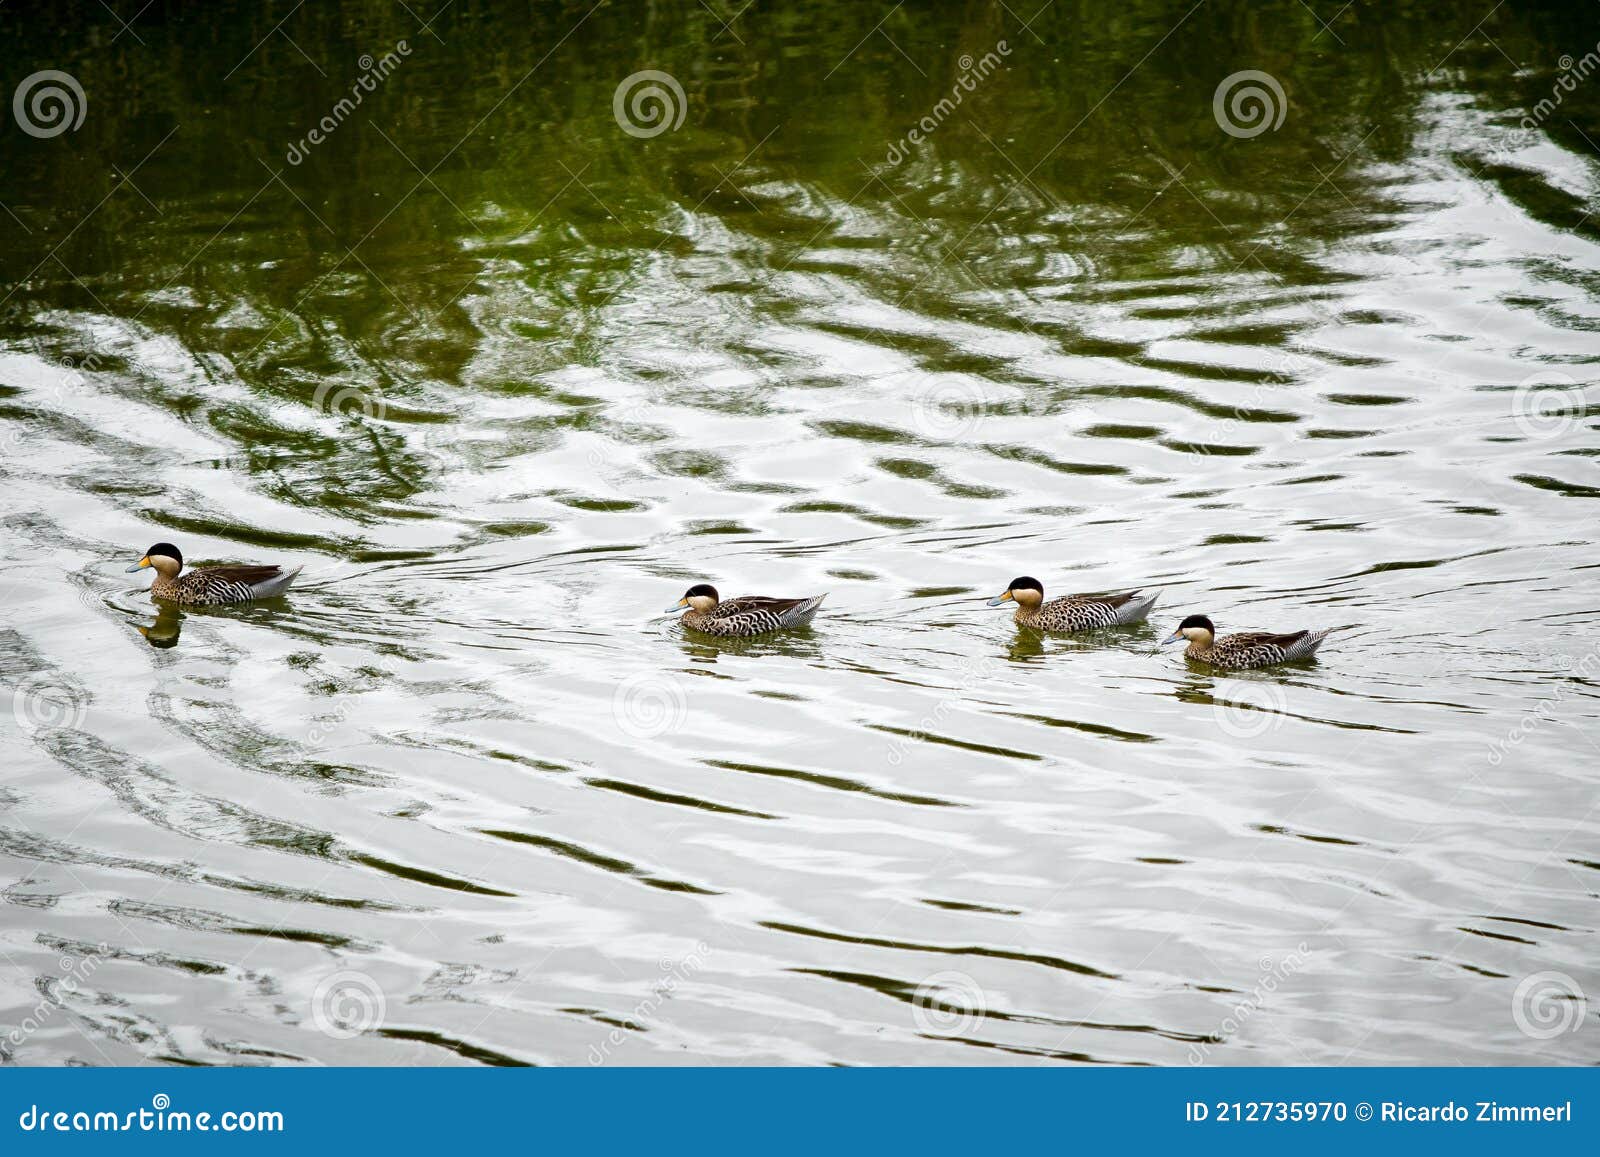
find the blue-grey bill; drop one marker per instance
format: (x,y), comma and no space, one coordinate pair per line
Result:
(674,607)
(998,600)
(134,567)
(1175,637)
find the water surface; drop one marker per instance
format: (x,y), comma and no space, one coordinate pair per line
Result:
(506,378)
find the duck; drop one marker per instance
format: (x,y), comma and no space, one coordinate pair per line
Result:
(743,616)
(210,586)
(1246,650)
(1073,612)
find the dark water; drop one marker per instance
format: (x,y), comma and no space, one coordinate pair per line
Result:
(506,377)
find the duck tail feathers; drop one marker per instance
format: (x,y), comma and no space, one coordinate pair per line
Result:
(1306,647)
(277,584)
(802,614)
(1137,607)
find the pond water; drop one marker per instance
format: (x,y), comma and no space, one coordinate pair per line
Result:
(508,345)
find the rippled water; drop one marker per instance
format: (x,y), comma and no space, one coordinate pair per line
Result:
(506,379)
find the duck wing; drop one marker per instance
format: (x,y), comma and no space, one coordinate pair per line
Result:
(748,604)
(767,612)
(238,584)
(248,575)
(1263,648)
(1267,639)
(1110,600)
(1088,611)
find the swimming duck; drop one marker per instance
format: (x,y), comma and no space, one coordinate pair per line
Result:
(745,615)
(1073,612)
(210,586)
(1246,649)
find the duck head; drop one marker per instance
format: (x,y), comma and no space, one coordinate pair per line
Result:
(163,557)
(701,597)
(1024,591)
(1196,628)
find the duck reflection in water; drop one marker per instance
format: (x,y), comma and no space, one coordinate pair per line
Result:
(163,633)
(1025,645)
(708,648)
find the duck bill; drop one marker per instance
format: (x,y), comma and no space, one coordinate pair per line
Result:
(1000,599)
(676,607)
(140,565)
(1175,637)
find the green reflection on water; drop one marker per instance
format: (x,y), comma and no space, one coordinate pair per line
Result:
(487,164)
